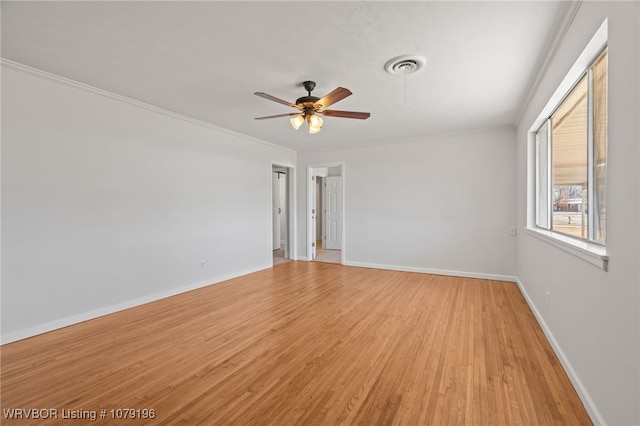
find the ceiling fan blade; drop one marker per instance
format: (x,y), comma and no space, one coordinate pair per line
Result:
(331,98)
(346,114)
(279,115)
(278,100)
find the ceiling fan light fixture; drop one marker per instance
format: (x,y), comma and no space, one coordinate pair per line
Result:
(311,107)
(315,121)
(313,129)
(297,121)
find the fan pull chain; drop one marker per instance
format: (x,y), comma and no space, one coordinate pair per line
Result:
(405,84)
(406,64)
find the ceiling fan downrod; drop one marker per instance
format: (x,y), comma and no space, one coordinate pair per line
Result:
(309,86)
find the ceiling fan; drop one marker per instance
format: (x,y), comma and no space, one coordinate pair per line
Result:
(311,107)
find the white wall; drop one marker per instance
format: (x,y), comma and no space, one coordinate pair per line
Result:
(594,319)
(440,205)
(106,204)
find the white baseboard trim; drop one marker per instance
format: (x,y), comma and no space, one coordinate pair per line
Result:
(590,406)
(433,271)
(96,313)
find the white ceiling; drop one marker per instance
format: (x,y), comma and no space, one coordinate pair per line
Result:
(206,59)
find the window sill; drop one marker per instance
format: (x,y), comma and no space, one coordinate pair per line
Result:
(589,252)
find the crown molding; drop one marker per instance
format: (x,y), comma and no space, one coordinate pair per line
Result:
(95,90)
(548,58)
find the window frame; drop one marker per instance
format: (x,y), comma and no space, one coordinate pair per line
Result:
(591,187)
(589,249)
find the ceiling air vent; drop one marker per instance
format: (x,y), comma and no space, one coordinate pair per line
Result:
(405,64)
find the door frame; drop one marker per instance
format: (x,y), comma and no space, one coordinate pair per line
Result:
(310,202)
(276,195)
(290,202)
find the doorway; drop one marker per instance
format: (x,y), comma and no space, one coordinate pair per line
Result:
(281,214)
(325,221)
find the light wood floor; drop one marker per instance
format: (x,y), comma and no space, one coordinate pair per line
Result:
(278,255)
(324,255)
(306,343)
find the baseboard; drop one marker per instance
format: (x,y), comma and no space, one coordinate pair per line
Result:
(100,312)
(590,406)
(433,271)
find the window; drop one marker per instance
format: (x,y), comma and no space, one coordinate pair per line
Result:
(571,160)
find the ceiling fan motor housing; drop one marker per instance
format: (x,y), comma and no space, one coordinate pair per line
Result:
(307,100)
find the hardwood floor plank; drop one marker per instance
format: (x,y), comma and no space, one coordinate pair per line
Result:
(305,343)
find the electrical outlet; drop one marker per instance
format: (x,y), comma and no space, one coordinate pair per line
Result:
(203,265)
(548,300)
(512,231)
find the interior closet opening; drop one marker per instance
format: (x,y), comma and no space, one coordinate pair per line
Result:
(281,217)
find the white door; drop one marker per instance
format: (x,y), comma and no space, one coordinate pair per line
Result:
(284,213)
(333,213)
(275,207)
(314,208)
